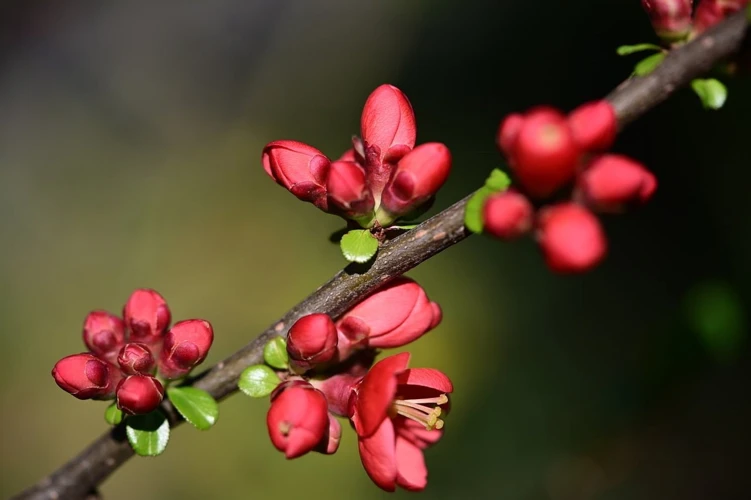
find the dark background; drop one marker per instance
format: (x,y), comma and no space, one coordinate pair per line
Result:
(130,141)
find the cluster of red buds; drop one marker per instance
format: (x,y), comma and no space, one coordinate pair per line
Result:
(382,178)
(126,352)
(395,411)
(676,20)
(547,151)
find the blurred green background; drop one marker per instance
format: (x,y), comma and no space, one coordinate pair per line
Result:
(130,141)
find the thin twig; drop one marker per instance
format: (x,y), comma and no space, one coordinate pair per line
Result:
(634,97)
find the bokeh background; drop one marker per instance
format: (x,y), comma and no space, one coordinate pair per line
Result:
(130,141)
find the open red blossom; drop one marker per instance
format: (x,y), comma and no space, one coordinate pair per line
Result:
(612,181)
(85,376)
(571,238)
(103,334)
(392,316)
(146,315)
(300,168)
(185,346)
(671,19)
(298,420)
(396,413)
(417,177)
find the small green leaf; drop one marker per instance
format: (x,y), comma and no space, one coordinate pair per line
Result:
(712,93)
(359,245)
(113,415)
(473,211)
(197,406)
(498,180)
(148,434)
(648,64)
(275,353)
(258,381)
(625,50)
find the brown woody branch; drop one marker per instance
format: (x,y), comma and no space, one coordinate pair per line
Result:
(634,97)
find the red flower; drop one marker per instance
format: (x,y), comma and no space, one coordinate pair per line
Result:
(85,376)
(393,316)
(300,168)
(103,334)
(594,125)
(710,12)
(671,19)
(312,340)
(507,215)
(185,346)
(139,394)
(348,191)
(613,181)
(298,421)
(146,315)
(571,238)
(396,413)
(136,358)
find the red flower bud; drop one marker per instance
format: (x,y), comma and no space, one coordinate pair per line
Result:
(85,376)
(348,192)
(508,132)
(671,19)
(312,340)
(297,420)
(185,346)
(136,358)
(612,181)
(103,333)
(146,316)
(139,394)
(388,123)
(507,215)
(301,169)
(710,12)
(392,316)
(418,176)
(593,125)
(571,238)
(545,155)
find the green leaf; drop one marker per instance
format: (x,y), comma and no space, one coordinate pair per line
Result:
(715,312)
(625,50)
(712,93)
(113,415)
(359,245)
(197,406)
(648,64)
(258,381)
(148,434)
(473,211)
(498,180)
(275,353)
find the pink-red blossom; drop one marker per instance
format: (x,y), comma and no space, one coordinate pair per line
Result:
(103,334)
(298,420)
(671,19)
(185,346)
(85,376)
(571,238)
(139,394)
(146,316)
(300,168)
(612,181)
(396,413)
(507,215)
(312,340)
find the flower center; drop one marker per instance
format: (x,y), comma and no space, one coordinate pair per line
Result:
(425,411)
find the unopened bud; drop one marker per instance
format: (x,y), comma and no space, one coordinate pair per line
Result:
(297,420)
(103,333)
(136,358)
(671,19)
(594,125)
(348,191)
(613,181)
(146,315)
(507,215)
(85,376)
(312,340)
(571,238)
(139,394)
(185,346)
(301,169)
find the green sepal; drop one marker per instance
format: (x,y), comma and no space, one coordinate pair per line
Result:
(197,406)
(148,434)
(625,50)
(275,353)
(648,64)
(113,415)
(712,92)
(258,381)
(359,245)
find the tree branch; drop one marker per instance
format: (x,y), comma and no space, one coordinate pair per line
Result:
(634,97)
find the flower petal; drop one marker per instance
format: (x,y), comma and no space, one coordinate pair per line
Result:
(378,455)
(411,472)
(426,377)
(377,391)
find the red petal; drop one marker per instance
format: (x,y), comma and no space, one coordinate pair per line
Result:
(426,377)
(412,474)
(378,455)
(377,392)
